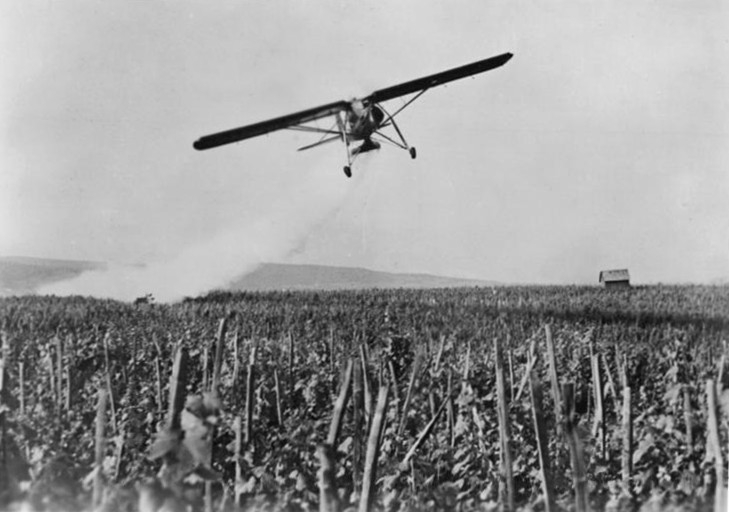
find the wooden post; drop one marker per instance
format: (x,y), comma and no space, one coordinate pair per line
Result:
(340,406)
(579,477)
(540,427)
(506,487)
(100,444)
(627,453)
(715,446)
(373,448)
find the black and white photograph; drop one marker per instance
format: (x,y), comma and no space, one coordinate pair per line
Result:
(403,255)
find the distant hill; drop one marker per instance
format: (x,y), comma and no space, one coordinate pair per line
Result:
(278,276)
(22,275)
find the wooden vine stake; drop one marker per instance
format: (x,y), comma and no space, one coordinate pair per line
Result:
(451,416)
(614,391)
(367,386)
(598,426)
(554,378)
(21,386)
(277,392)
(236,357)
(290,393)
(720,504)
(340,406)
(70,391)
(219,349)
(540,427)
(107,373)
(373,450)
(408,396)
(177,389)
(250,383)
(531,361)
(422,437)
(158,372)
(627,453)
(4,363)
(506,483)
(238,468)
(100,444)
(579,477)
(688,421)
(176,403)
(59,374)
(214,391)
(357,409)
(328,499)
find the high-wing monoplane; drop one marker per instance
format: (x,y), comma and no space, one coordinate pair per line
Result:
(359,119)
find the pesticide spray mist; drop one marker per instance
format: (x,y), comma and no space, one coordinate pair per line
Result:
(214,263)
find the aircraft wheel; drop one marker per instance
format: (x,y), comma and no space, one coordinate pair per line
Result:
(347,171)
(413,153)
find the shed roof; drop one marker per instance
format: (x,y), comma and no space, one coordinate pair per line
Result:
(621,274)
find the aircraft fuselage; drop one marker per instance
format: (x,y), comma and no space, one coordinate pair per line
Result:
(363,120)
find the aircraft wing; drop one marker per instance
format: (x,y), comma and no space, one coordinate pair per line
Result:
(443,77)
(278,123)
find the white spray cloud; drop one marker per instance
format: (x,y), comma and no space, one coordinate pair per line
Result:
(230,254)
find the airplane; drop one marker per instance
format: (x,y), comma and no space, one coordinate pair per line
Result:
(359,119)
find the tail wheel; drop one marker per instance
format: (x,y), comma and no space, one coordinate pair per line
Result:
(347,171)
(413,153)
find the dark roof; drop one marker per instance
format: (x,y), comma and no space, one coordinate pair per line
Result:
(607,276)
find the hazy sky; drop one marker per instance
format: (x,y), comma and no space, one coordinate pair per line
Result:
(601,144)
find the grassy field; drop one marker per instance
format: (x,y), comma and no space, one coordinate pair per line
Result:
(263,373)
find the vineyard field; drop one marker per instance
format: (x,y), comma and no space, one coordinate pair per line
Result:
(479,398)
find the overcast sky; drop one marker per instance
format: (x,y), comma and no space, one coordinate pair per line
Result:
(601,144)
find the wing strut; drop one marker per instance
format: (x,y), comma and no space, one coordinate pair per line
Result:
(391,119)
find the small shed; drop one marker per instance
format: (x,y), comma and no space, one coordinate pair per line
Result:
(615,278)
